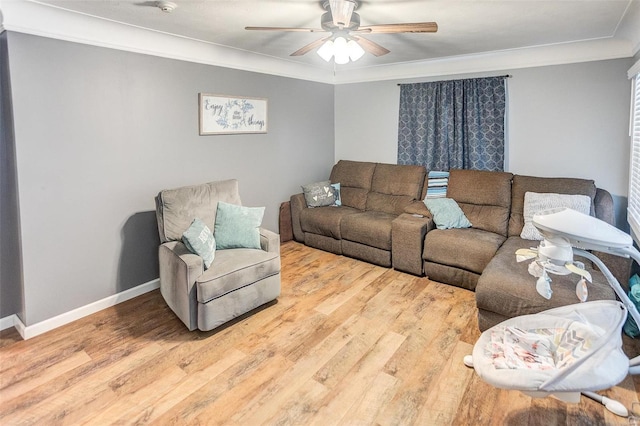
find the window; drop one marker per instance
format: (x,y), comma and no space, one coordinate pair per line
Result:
(633,211)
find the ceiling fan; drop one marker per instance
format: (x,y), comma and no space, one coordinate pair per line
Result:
(346,42)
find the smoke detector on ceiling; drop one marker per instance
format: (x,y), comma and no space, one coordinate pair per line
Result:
(166,6)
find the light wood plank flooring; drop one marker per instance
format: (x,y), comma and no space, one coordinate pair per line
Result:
(346,343)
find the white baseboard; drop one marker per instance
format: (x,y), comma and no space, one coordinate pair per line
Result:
(30,331)
(8,322)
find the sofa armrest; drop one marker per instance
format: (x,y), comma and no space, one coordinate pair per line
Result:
(407,239)
(620,267)
(604,208)
(179,269)
(269,241)
(297,205)
(417,208)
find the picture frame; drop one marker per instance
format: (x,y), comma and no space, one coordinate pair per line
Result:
(228,115)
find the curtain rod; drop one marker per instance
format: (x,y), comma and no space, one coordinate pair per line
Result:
(503,76)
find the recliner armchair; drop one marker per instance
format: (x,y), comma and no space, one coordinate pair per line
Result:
(237,281)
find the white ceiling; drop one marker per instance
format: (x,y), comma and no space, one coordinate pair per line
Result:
(467,28)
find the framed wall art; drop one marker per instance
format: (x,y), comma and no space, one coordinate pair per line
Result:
(227,115)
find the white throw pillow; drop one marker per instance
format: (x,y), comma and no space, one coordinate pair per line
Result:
(535,203)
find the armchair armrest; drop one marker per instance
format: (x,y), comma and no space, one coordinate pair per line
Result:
(269,241)
(179,269)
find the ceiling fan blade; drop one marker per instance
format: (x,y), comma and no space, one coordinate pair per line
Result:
(305,30)
(309,47)
(418,27)
(371,47)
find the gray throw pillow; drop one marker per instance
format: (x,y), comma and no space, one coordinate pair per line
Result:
(199,240)
(536,203)
(319,194)
(237,226)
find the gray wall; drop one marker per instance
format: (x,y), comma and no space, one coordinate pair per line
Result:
(10,259)
(567,120)
(99,132)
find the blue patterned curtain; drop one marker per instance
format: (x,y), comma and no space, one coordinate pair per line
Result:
(453,124)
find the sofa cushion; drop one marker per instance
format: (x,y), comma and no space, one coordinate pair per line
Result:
(176,208)
(372,228)
(451,275)
(506,287)
(233,269)
(484,197)
(355,182)
(392,204)
(394,186)
(367,253)
(325,220)
(524,184)
(465,248)
(398,179)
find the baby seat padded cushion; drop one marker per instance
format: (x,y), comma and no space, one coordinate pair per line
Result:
(572,348)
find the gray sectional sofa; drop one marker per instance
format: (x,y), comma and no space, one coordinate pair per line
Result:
(482,258)
(383,220)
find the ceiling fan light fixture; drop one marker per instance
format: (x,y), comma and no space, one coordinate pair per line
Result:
(341,51)
(341,11)
(326,50)
(355,50)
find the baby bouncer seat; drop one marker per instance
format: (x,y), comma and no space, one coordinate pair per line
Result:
(570,350)
(562,351)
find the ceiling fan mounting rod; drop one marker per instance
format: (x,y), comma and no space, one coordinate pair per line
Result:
(326,6)
(341,11)
(327,23)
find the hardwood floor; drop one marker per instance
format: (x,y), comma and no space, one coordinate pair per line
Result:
(346,343)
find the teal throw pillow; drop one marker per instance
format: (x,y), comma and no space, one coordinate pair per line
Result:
(336,194)
(199,240)
(446,213)
(237,226)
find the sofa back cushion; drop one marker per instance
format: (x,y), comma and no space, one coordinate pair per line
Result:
(524,184)
(355,182)
(394,186)
(484,197)
(177,208)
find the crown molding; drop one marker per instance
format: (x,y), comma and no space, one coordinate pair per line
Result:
(634,70)
(44,20)
(629,25)
(31,17)
(557,54)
